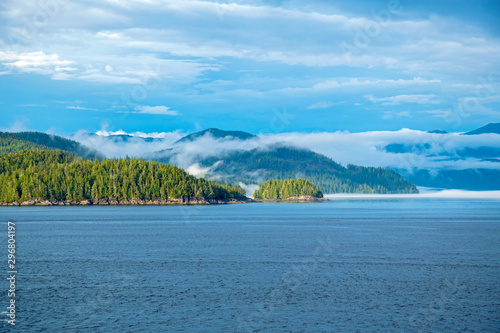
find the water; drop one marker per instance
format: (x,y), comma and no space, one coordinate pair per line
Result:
(386,265)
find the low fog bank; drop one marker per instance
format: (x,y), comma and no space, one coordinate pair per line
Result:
(424,193)
(249,189)
(424,151)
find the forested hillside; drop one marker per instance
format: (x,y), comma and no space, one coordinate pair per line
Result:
(289,188)
(15,142)
(11,143)
(290,163)
(59,176)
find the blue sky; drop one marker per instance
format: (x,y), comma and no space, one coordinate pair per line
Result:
(258,66)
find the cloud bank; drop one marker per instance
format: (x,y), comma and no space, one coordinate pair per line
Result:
(423,150)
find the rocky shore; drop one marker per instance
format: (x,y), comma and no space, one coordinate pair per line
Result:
(126,202)
(142,202)
(306,198)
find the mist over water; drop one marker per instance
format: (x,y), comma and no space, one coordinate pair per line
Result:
(425,193)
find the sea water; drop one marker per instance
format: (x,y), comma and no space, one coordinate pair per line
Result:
(346,265)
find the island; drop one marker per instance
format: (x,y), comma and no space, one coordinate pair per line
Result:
(288,190)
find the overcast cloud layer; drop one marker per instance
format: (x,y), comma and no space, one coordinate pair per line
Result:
(166,65)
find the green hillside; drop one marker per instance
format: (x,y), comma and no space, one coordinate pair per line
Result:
(11,143)
(291,163)
(15,142)
(56,175)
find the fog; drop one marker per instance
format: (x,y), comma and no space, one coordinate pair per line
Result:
(424,193)
(365,148)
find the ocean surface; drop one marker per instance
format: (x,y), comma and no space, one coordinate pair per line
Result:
(381,264)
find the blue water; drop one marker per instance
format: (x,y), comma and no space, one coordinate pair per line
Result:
(399,265)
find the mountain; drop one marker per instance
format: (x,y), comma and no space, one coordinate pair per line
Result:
(15,142)
(490,128)
(217,134)
(466,179)
(278,162)
(128,138)
(454,174)
(436,131)
(281,162)
(427,149)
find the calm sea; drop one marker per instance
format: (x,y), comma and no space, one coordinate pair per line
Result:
(377,265)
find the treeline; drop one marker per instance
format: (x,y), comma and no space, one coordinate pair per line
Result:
(282,189)
(56,175)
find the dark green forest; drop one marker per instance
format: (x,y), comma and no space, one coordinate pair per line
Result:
(291,163)
(11,143)
(287,188)
(60,176)
(15,142)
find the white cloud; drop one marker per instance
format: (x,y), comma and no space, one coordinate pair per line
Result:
(391,114)
(77,107)
(475,105)
(320,105)
(170,137)
(355,84)
(34,62)
(32,105)
(159,109)
(439,113)
(396,100)
(18,126)
(103,78)
(135,146)
(180,44)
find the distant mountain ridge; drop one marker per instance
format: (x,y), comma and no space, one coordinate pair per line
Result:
(487,129)
(466,179)
(127,137)
(282,161)
(217,134)
(479,179)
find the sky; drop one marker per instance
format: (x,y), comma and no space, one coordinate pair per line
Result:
(262,66)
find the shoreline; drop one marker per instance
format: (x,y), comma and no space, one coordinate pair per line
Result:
(306,198)
(126,202)
(143,202)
